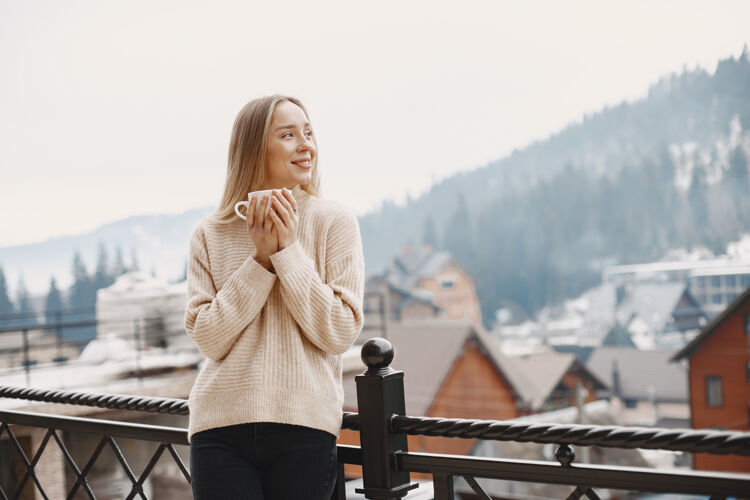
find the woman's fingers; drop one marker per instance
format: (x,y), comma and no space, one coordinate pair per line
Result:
(290,197)
(267,225)
(275,219)
(283,211)
(250,214)
(287,204)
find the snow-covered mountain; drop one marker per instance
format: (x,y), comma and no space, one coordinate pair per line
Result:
(158,242)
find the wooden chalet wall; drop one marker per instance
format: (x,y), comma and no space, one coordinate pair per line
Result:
(473,388)
(459,301)
(725,353)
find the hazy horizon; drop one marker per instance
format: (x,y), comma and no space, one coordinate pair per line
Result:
(116,111)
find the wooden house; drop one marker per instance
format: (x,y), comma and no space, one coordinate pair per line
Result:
(453,369)
(422,283)
(719,380)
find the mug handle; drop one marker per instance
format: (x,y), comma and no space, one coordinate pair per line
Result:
(237,206)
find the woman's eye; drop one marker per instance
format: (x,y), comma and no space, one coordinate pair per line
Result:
(309,133)
(287,134)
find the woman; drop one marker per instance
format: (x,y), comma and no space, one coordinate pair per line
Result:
(273,302)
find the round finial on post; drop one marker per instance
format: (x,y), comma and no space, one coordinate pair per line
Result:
(377,354)
(565,455)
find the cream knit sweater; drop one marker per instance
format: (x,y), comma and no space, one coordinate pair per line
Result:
(273,342)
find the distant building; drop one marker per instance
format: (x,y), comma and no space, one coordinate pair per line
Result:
(555,377)
(719,375)
(143,311)
(655,314)
(453,369)
(651,390)
(421,283)
(714,283)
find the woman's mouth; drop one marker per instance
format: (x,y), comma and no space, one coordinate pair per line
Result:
(303,163)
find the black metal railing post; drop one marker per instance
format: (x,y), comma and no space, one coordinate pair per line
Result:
(380,396)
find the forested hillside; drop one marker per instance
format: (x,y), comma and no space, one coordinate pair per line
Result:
(622,186)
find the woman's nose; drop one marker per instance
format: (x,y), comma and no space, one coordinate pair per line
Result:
(305,144)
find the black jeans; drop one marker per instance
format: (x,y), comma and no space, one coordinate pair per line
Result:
(263,461)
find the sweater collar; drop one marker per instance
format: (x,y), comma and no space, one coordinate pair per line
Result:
(301,196)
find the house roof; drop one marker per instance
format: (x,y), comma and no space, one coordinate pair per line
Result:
(440,342)
(711,327)
(618,336)
(544,370)
(653,302)
(639,371)
(406,269)
(374,283)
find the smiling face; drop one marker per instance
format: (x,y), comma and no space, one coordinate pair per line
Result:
(290,148)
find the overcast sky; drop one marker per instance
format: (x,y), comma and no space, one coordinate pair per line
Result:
(113,109)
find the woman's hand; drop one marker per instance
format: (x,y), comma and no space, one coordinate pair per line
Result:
(262,231)
(284,215)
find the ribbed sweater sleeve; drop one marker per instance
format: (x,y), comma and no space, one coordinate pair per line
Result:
(328,312)
(216,319)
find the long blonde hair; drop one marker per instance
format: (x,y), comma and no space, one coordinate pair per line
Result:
(246,165)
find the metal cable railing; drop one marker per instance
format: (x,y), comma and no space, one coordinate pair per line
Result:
(688,440)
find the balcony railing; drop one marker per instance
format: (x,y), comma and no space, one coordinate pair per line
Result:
(384,456)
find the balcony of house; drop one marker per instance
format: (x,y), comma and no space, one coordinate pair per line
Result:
(136,447)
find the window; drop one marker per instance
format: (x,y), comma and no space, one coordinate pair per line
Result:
(730,280)
(714,396)
(447,282)
(701,280)
(716,298)
(745,281)
(716,281)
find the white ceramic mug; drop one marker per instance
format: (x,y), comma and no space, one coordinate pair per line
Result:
(258,198)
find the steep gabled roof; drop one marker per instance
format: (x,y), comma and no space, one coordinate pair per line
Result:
(618,337)
(425,350)
(406,269)
(711,327)
(544,371)
(652,302)
(641,372)
(374,283)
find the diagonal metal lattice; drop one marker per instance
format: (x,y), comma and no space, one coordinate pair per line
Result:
(81,480)
(477,488)
(581,491)
(72,463)
(29,464)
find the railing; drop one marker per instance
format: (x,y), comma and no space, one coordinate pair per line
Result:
(140,332)
(384,456)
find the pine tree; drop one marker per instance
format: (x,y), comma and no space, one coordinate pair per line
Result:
(53,304)
(102,277)
(737,174)
(81,292)
(429,235)
(458,235)
(23,302)
(6,306)
(82,297)
(696,198)
(134,266)
(118,268)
